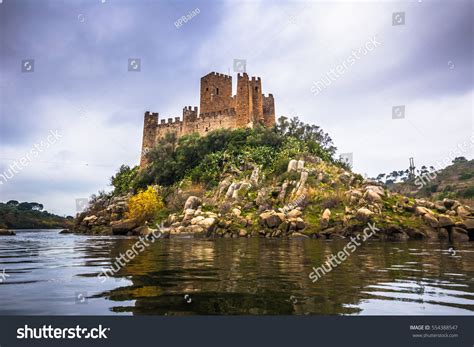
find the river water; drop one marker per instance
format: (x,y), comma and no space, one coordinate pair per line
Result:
(45,273)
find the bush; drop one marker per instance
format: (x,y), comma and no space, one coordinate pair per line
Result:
(145,205)
(204,159)
(123,179)
(468,193)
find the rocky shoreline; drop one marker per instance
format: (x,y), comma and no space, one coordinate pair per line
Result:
(311,200)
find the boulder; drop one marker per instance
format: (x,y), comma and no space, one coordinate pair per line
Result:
(271,219)
(462,211)
(292,165)
(459,235)
(372,196)
(439,206)
(6,232)
(377,189)
(243,233)
(420,210)
(443,234)
(241,191)
(363,214)
(207,223)
(445,221)
(294,213)
(300,165)
(468,223)
(197,220)
(236,212)
(89,220)
(345,178)
(449,203)
(122,227)
(255,176)
(66,231)
(193,202)
(300,224)
(430,220)
(325,217)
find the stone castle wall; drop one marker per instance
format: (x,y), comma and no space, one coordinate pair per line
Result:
(219,110)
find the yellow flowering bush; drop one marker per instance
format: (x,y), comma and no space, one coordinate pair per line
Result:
(145,205)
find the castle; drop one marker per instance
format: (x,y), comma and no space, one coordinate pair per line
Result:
(219,109)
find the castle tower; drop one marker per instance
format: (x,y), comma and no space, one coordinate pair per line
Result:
(268,111)
(243,102)
(189,119)
(255,88)
(149,135)
(216,92)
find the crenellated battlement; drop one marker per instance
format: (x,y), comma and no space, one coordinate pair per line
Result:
(219,109)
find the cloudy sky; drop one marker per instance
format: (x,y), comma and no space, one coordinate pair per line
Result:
(75,80)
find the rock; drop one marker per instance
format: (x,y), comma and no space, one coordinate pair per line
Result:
(207,223)
(193,202)
(363,214)
(297,235)
(377,189)
(197,220)
(122,227)
(372,196)
(300,224)
(255,175)
(439,206)
(325,217)
(241,191)
(462,211)
(445,221)
(294,213)
(6,232)
(230,190)
(236,212)
(89,220)
(243,233)
(449,203)
(271,219)
(345,178)
(66,231)
(468,223)
(282,193)
(420,210)
(430,220)
(459,235)
(292,165)
(443,234)
(195,229)
(300,165)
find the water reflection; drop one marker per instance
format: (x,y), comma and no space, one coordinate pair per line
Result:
(233,277)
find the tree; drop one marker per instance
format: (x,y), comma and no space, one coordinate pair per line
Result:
(459,160)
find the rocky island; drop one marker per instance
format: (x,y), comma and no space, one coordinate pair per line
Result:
(232,171)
